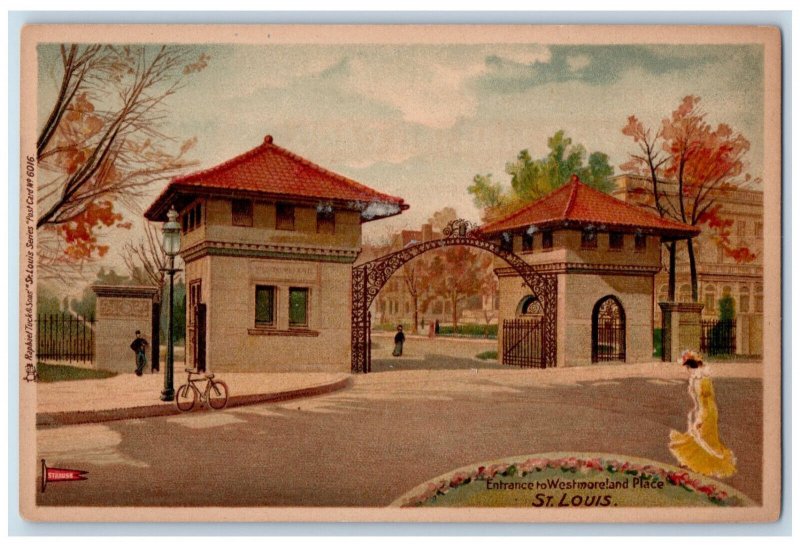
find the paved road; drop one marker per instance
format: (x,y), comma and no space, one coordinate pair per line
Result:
(369,444)
(423,353)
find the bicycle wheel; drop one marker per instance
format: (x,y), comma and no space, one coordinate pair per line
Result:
(217,394)
(185,397)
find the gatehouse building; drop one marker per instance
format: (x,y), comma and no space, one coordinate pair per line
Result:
(605,253)
(268,239)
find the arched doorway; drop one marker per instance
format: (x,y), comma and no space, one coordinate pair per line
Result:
(608,330)
(370,277)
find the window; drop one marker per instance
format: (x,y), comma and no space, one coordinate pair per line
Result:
(326,221)
(710,299)
(298,307)
(507,242)
(265,305)
(191,219)
(759,229)
(741,227)
(744,299)
(284,216)
(242,212)
(589,239)
(685,293)
(640,242)
(198,214)
(616,240)
(547,240)
(527,242)
(759,299)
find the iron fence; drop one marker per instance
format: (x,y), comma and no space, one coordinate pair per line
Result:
(522,343)
(718,336)
(64,337)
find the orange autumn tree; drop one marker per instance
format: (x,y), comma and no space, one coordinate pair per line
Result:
(691,166)
(455,273)
(102,145)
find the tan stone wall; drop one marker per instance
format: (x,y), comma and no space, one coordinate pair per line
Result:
(577,295)
(118,319)
(234,344)
(583,291)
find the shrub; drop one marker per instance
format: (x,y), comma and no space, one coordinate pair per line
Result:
(471,330)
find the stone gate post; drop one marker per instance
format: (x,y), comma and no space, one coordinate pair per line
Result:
(681,328)
(121,311)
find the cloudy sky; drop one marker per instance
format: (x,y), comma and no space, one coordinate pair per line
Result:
(420,121)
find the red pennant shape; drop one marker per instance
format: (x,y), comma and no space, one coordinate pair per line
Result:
(59,474)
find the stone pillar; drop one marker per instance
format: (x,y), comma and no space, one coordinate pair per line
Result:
(743,334)
(121,311)
(680,328)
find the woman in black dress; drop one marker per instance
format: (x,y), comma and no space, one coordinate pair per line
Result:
(399,338)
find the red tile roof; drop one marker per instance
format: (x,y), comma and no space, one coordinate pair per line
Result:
(579,205)
(276,172)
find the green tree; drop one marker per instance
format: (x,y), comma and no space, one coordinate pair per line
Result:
(727,308)
(534,178)
(47,302)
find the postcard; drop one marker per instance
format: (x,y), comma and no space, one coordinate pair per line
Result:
(454,273)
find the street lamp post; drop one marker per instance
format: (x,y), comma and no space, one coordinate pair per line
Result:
(172,244)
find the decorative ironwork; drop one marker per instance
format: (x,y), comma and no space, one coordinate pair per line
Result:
(522,343)
(370,277)
(608,331)
(461,228)
(718,337)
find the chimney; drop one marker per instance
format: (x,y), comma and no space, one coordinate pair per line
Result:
(427,232)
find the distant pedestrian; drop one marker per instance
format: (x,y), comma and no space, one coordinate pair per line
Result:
(399,338)
(139,346)
(436,328)
(431,329)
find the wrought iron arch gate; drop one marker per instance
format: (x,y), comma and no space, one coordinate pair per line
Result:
(370,277)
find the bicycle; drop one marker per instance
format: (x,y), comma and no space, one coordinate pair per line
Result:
(215,392)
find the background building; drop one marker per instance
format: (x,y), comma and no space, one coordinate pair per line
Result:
(719,275)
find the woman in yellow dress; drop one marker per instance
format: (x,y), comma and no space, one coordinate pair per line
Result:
(700,449)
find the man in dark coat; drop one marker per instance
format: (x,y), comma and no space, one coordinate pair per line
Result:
(139,346)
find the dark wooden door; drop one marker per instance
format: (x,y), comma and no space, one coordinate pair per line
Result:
(200,338)
(155,337)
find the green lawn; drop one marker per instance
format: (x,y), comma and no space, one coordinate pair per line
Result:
(486,355)
(66,373)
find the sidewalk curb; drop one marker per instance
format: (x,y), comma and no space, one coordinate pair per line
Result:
(51,419)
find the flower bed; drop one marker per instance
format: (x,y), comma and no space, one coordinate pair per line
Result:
(558,480)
